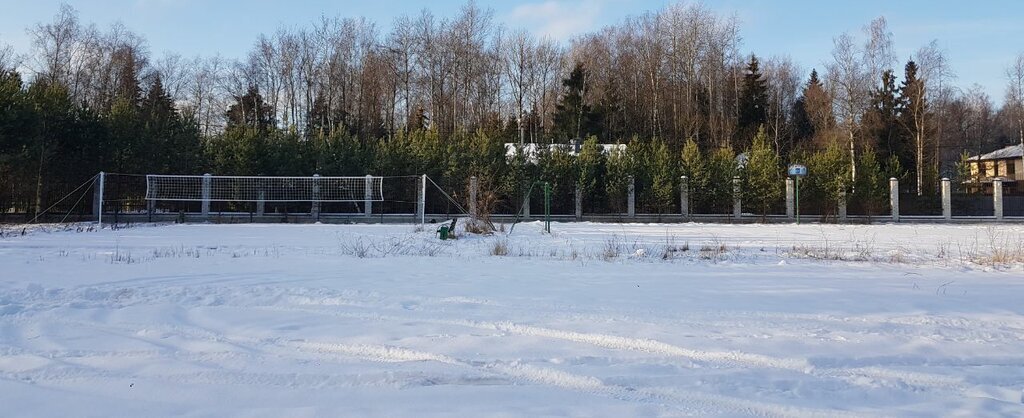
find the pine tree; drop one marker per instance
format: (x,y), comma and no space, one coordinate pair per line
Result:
(590,162)
(828,176)
(753,104)
(762,176)
(694,167)
(872,186)
(721,169)
(660,166)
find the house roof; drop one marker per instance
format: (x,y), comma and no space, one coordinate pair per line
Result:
(1012,151)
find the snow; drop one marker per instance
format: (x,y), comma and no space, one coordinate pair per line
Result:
(608,320)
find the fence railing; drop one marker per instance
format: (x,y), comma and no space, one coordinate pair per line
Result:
(121,198)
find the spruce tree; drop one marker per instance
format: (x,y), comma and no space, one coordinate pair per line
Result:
(753,104)
(573,117)
(762,176)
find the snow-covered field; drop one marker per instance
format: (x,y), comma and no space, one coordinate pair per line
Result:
(594,320)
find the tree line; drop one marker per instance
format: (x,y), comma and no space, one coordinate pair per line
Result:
(441,95)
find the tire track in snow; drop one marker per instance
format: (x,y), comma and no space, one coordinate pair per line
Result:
(690,402)
(862,376)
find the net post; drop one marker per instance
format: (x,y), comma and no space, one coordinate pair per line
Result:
(315,209)
(98,203)
(368,196)
(207,180)
(151,205)
(261,203)
(421,203)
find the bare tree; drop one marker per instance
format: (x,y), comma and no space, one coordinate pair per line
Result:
(783,76)
(9,61)
(1015,95)
(934,71)
(849,79)
(519,52)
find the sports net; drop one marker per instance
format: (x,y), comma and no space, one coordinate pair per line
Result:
(265,189)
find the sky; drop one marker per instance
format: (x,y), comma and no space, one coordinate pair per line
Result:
(980,38)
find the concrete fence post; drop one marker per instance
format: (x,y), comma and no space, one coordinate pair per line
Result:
(790,199)
(421,201)
(315,208)
(737,200)
(207,183)
(947,200)
(631,198)
(368,196)
(894,198)
(842,206)
(684,196)
(261,203)
(474,184)
(997,198)
(579,203)
(526,206)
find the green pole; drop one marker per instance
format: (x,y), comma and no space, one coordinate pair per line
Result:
(547,207)
(798,200)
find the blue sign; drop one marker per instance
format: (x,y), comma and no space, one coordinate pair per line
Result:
(797,170)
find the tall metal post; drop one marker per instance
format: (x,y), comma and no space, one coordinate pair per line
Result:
(99,199)
(315,209)
(842,206)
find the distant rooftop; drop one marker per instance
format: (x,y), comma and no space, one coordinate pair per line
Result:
(1012,151)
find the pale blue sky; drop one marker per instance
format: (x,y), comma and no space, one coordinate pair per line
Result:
(980,37)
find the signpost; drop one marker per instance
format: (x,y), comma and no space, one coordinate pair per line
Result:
(796,171)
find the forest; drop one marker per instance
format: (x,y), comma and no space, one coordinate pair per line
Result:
(442,96)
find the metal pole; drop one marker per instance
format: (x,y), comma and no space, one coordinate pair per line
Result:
(100,214)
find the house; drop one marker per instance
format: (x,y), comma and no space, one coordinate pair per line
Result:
(573,148)
(1003,163)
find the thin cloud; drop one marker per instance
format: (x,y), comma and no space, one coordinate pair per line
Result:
(557,19)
